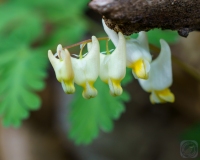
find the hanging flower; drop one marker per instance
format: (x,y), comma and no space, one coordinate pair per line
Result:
(86,69)
(113,66)
(63,68)
(160,77)
(138,56)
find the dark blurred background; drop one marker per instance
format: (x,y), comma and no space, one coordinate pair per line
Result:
(142,132)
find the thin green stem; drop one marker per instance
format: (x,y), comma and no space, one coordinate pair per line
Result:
(107,48)
(80,54)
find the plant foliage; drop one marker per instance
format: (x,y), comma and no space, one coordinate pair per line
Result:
(27,30)
(88,116)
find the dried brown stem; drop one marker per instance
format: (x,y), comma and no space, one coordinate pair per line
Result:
(130,16)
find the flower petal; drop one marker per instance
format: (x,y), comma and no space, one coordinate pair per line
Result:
(166,95)
(104,60)
(68,87)
(67,70)
(143,40)
(115,87)
(146,84)
(134,52)
(79,71)
(111,34)
(53,60)
(89,91)
(86,70)
(162,96)
(161,68)
(92,60)
(138,56)
(160,76)
(155,99)
(140,69)
(117,61)
(60,52)
(63,69)
(113,67)
(89,46)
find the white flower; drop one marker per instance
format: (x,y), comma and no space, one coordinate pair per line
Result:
(86,70)
(113,66)
(160,77)
(63,69)
(138,56)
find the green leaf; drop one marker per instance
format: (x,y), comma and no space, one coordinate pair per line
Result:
(155,35)
(68,33)
(21,75)
(55,10)
(19,27)
(88,116)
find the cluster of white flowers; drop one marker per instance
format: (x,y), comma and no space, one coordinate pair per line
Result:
(154,76)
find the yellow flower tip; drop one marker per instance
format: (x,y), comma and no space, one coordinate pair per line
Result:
(166,95)
(115,87)
(162,96)
(68,87)
(63,69)
(89,91)
(152,99)
(140,69)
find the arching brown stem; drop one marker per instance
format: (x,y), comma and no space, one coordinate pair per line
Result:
(130,16)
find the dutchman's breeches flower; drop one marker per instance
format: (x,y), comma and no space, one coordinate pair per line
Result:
(86,70)
(138,56)
(63,69)
(154,76)
(160,77)
(113,66)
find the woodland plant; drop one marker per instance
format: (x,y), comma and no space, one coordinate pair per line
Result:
(101,73)
(154,77)
(110,65)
